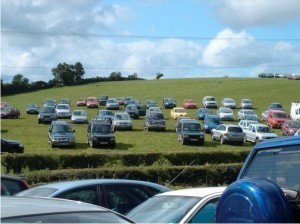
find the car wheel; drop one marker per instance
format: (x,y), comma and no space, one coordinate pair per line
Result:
(256,140)
(222,140)
(52,146)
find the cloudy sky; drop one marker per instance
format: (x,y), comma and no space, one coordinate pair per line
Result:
(178,38)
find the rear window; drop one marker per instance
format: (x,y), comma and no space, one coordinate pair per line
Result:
(235,129)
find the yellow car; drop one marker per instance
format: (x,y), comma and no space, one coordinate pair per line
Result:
(177,112)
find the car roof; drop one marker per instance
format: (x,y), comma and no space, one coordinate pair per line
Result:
(195,192)
(278,142)
(19,206)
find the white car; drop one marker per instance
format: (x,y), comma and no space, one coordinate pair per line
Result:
(79,117)
(194,205)
(246,104)
(209,102)
(245,123)
(225,113)
(122,121)
(112,104)
(228,102)
(243,114)
(63,111)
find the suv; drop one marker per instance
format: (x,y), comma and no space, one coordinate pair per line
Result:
(168,103)
(275,118)
(189,132)
(209,102)
(228,133)
(60,133)
(122,121)
(100,132)
(47,114)
(267,187)
(155,121)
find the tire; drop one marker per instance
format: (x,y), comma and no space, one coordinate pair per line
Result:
(39,121)
(256,140)
(222,140)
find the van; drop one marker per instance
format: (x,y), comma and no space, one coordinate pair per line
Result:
(295,111)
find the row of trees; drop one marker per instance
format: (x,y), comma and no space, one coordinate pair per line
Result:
(64,75)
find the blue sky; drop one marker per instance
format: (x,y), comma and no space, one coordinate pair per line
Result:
(180,39)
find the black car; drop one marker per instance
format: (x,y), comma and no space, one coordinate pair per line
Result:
(100,133)
(11,185)
(132,110)
(11,146)
(103,100)
(189,132)
(155,121)
(151,103)
(168,103)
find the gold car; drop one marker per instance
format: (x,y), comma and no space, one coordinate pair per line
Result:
(177,112)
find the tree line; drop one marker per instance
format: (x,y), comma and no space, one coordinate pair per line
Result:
(64,75)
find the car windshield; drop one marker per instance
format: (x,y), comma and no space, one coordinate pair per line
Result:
(62,106)
(247,101)
(192,127)
(101,129)
(210,99)
(248,112)
(228,101)
(156,116)
(226,110)
(281,165)
(163,209)
(122,117)
(79,113)
(212,120)
(5,109)
(106,112)
(61,129)
(179,110)
(48,110)
(280,115)
(205,110)
(169,100)
(264,129)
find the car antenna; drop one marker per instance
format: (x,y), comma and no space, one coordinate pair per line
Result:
(180,173)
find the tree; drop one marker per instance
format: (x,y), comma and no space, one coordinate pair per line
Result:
(159,75)
(115,76)
(20,83)
(65,74)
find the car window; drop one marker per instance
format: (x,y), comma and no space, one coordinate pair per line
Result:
(85,194)
(207,213)
(11,187)
(235,129)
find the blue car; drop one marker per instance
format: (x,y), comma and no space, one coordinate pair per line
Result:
(202,112)
(210,122)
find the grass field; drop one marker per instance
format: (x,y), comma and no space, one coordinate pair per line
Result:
(34,135)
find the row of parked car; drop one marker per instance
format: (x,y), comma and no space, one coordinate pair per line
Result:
(266,191)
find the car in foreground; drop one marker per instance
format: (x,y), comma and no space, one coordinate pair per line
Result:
(267,187)
(155,121)
(50,210)
(193,205)
(32,109)
(168,103)
(228,133)
(122,121)
(63,111)
(112,104)
(202,112)
(290,127)
(177,112)
(10,112)
(10,185)
(209,102)
(47,115)
(60,133)
(246,104)
(225,114)
(79,117)
(189,132)
(228,102)
(81,102)
(189,104)
(11,146)
(120,195)
(210,122)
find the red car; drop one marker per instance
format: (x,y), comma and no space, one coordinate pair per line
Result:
(10,112)
(189,104)
(290,127)
(275,118)
(121,100)
(92,102)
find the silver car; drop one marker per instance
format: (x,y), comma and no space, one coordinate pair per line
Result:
(63,111)
(122,121)
(228,133)
(79,117)
(49,210)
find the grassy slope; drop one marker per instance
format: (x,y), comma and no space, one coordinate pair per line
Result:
(34,136)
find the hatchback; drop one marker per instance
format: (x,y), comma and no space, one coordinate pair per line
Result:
(228,133)
(117,194)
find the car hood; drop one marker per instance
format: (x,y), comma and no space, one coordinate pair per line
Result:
(62,134)
(78,117)
(62,110)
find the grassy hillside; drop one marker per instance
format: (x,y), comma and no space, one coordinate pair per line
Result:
(34,135)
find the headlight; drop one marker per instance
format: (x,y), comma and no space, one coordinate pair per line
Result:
(185,136)
(21,145)
(206,126)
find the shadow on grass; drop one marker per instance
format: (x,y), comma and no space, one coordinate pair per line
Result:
(4,131)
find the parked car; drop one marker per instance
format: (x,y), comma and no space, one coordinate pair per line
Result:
(103,100)
(79,117)
(150,103)
(10,112)
(290,127)
(50,103)
(225,114)
(122,121)
(4,104)
(100,133)
(264,115)
(258,132)
(47,114)
(132,110)
(112,104)
(60,133)
(275,118)
(11,185)
(63,111)
(245,114)
(177,112)
(267,186)
(202,112)
(209,102)
(228,102)
(81,102)
(120,100)
(275,106)
(210,122)
(154,109)
(92,102)
(189,131)
(11,146)
(50,210)
(245,123)
(155,121)
(120,195)
(65,101)
(193,205)
(32,109)
(105,115)
(228,133)
(127,99)
(168,103)
(189,104)
(246,104)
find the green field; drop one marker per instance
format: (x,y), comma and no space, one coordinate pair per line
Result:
(34,135)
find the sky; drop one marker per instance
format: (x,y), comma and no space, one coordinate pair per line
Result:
(177,38)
